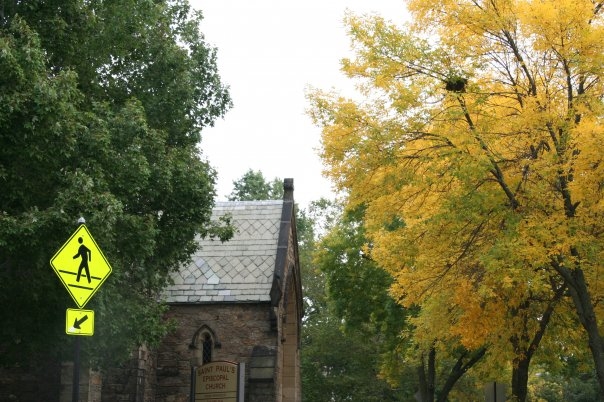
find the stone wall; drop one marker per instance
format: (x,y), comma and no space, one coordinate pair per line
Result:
(89,388)
(35,383)
(134,381)
(288,363)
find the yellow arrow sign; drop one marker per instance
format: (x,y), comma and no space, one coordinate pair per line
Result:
(81,266)
(79,322)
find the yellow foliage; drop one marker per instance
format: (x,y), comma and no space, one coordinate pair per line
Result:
(481,131)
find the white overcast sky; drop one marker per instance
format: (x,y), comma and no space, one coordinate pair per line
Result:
(269,52)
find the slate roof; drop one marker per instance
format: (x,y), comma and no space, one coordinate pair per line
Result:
(239,270)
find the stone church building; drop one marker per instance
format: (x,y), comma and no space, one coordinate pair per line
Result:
(239,301)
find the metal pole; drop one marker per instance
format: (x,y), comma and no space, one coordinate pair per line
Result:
(75,394)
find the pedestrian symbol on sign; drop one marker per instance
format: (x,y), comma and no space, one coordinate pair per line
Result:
(86,255)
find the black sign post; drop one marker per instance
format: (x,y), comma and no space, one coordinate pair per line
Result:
(75,395)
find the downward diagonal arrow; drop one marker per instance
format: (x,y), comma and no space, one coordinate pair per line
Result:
(77,323)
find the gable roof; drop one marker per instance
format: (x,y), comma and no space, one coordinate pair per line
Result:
(239,270)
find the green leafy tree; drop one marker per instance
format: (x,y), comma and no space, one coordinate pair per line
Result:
(342,365)
(101,109)
(253,186)
(313,282)
(359,291)
(573,381)
(339,362)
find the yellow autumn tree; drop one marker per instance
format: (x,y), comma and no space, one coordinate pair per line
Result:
(480,128)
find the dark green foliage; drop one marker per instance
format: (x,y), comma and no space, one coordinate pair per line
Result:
(350,323)
(573,381)
(253,186)
(343,366)
(357,335)
(456,84)
(310,224)
(101,108)
(358,287)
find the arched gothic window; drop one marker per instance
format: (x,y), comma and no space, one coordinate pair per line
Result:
(207,348)
(203,344)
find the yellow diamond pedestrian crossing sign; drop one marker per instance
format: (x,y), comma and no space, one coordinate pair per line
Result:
(81,266)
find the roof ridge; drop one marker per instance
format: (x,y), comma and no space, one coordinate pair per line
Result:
(243,203)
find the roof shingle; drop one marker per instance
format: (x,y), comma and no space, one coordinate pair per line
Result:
(239,270)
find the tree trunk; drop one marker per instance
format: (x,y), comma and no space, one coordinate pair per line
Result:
(458,371)
(584,307)
(524,354)
(520,374)
(427,374)
(581,298)
(427,377)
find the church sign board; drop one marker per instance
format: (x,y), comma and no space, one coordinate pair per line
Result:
(220,381)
